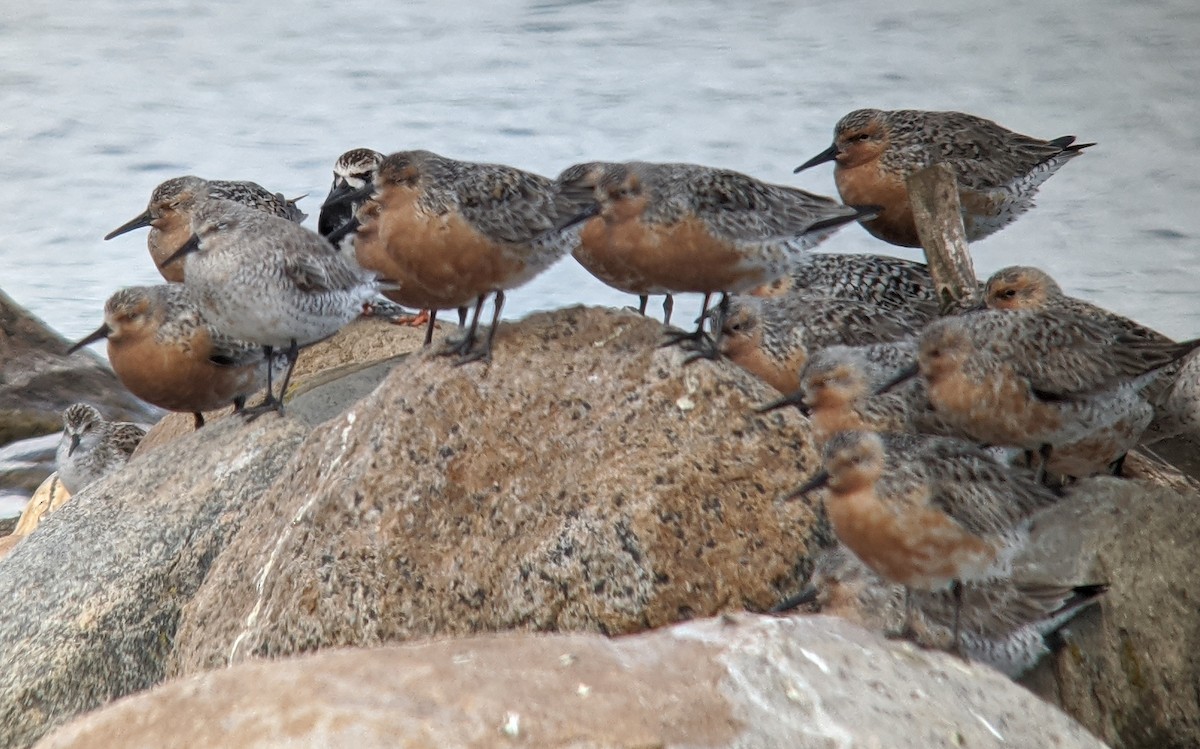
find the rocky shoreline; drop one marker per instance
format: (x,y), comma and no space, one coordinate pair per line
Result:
(585,482)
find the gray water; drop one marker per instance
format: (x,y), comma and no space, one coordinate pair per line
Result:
(101,101)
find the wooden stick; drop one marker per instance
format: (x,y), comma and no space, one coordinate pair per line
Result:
(933,192)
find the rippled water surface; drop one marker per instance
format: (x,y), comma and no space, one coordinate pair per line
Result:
(101,101)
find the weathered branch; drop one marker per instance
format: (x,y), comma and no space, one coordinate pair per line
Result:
(933,192)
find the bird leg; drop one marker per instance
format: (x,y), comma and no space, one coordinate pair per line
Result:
(710,348)
(197,419)
(957,589)
(271,402)
(693,337)
(668,307)
(485,353)
(462,346)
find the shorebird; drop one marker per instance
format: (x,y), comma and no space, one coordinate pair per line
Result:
(837,392)
(169,227)
(999,171)
(943,513)
(91,448)
(351,173)
(1040,380)
(266,280)
(166,353)
(675,228)
(450,233)
(891,283)
(1025,288)
(579,203)
(1006,624)
(773,338)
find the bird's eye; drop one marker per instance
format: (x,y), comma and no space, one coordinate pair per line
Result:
(861,137)
(1009,293)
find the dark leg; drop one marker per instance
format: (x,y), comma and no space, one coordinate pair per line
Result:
(462,316)
(429,327)
(957,589)
(198,419)
(486,352)
(711,348)
(462,346)
(1044,453)
(643,300)
(239,403)
(668,307)
(272,403)
(696,335)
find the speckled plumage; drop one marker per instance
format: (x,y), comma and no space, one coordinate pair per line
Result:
(351,171)
(266,280)
(838,384)
(450,233)
(1003,623)
(578,201)
(925,512)
(889,282)
(91,448)
(170,224)
(262,279)
(999,171)
(1031,379)
(1026,288)
(773,338)
(164,350)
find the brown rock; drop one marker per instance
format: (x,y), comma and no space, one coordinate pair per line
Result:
(38,380)
(1131,669)
(49,497)
(745,681)
(584,481)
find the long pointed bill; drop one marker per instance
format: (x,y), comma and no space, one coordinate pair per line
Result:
(795,399)
(73,446)
(100,332)
(829,154)
(137,222)
(190,246)
(350,226)
(579,218)
(819,479)
(903,376)
(345,194)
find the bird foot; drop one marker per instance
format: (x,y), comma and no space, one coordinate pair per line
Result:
(269,404)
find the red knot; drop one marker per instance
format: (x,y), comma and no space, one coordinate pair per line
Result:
(999,171)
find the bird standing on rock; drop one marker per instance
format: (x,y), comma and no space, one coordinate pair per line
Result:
(450,233)
(998,170)
(164,350)
(351,173)
(676,228)
(170,227)
(929,514)
(91,448)
(1041,380)
(269,281)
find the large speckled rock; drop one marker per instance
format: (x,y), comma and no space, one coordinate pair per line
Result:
(38,380)
(745,681)
(584,481)
(1131,668)
(93,595)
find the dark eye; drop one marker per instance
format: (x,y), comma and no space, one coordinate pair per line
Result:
(861,137)
(1009,293)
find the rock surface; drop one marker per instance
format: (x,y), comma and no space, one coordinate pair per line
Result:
(93,595)
(1131,669)
(49,497)
(584,481)
(745,681)
(38,380)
